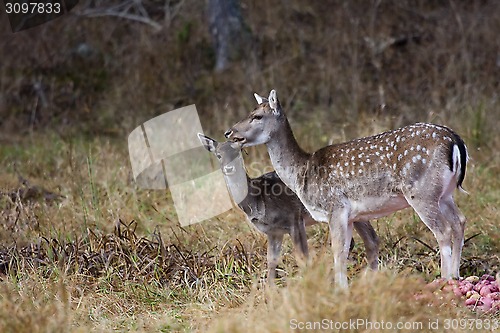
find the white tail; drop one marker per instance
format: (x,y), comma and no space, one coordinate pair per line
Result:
(418,166)
(273,208)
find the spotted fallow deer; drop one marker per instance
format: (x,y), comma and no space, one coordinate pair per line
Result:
(273,208)
(418,165)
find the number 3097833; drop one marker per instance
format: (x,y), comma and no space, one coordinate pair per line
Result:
(32,7)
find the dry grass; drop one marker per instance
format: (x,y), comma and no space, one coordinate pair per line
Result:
(83,249)
(78,265)
(375,298)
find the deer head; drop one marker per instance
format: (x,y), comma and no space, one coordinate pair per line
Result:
(231,163)
(259,127)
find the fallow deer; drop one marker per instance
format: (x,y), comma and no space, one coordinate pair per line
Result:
(273,208)
(418,165)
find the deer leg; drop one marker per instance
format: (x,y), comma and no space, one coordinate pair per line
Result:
(274,242)
(299,238)
(341,235)
(433,218)
(457,222)
(371,241)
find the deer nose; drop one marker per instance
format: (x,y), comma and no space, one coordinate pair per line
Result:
(228,133)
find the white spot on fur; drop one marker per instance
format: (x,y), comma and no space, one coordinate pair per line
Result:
(400,156)
(434,135)
(360,171)
(419,147)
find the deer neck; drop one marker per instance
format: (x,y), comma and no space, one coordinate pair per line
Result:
(288,159)
(239,183)
(242,194)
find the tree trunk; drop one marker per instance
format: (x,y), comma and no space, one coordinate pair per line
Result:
(231,36)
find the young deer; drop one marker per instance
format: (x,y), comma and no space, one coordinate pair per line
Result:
(418,166)
(273,208)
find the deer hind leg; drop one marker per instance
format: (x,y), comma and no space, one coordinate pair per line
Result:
(274,242)
(371,241)
(430,213)
(341,235)
(457,222)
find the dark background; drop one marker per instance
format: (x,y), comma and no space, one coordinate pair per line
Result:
(107,66)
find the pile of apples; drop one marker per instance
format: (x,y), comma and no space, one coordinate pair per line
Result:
(480,293)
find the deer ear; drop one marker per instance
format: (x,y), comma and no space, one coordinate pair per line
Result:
(207,142)
(259,99)
(274,103)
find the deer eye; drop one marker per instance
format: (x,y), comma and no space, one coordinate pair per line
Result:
(218,156)
(257,116)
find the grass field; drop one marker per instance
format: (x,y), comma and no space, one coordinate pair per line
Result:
(107,255)
(82,248)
